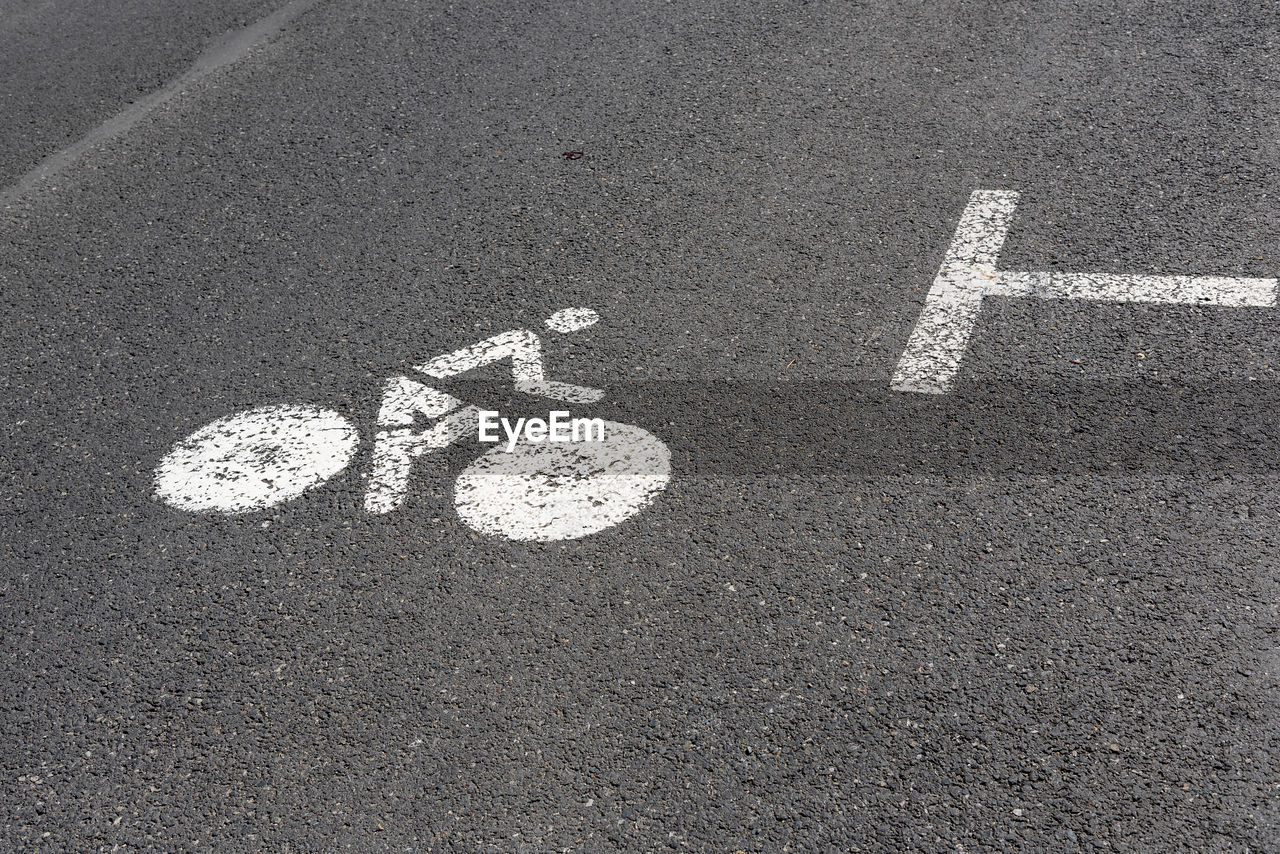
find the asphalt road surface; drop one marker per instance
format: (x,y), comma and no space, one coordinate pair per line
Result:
(1034,611)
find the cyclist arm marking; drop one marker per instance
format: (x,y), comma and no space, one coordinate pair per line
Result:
(525,351)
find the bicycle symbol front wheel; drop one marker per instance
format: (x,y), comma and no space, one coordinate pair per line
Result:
(562,491)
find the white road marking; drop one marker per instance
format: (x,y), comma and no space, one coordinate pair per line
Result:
(404,399)
(525,351)
(395,450)
(968,273)
(572,319)
(1108,287)
(551,484)
(937,344)
(256,459)
(545,492)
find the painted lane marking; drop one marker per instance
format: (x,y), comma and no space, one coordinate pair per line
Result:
(543,492)
(1108,287)
(256,459)
(937,344)
(931,359)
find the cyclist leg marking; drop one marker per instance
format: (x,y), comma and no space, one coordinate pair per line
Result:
(395,450)
(404,399)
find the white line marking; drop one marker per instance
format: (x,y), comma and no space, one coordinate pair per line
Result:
(256,459)
(951,309)
(222,52)
(1108,287)
(968,273)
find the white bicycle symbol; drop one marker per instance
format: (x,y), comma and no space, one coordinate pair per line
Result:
(262,457)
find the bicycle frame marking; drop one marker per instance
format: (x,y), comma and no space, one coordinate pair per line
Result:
(395,450)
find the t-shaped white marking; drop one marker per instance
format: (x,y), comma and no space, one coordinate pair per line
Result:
(968,273)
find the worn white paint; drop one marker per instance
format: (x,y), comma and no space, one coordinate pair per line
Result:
(559,479)
(405,400)
(221,53)
(256,459)
(394,452)
(968,274)
(524,349)
(1108,287)
(951,309)
(572,319)
(545,492)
